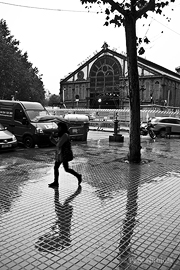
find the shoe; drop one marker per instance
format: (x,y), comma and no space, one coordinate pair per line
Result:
(79,179)
(53,185)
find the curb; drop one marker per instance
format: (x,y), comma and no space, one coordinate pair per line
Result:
(110,130)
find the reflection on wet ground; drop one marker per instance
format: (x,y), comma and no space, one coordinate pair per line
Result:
(59,238)
(123,217)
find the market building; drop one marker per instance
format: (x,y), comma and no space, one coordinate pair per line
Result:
(102,82)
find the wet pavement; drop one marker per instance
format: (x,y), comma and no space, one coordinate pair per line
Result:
(123,217)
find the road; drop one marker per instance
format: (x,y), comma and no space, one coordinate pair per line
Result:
(165,147)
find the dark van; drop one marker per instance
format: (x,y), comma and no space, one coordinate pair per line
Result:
(30,122)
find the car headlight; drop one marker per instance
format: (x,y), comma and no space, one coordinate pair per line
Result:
(13,138)
(54,125)
(39,130)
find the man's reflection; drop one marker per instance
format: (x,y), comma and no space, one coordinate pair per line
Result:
(59,237)
(131,212)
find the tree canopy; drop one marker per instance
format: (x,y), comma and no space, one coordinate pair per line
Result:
(54,100)
(18,78)
(117,11)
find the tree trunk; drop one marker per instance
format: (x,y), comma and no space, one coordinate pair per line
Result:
(134,155)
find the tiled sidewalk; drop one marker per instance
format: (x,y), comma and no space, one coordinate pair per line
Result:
(123,217)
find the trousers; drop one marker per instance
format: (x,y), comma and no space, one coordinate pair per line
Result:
(66,168)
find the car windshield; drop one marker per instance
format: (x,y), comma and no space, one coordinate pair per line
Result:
(35,115)
(2,127)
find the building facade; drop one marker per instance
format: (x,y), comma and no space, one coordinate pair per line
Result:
(102,82)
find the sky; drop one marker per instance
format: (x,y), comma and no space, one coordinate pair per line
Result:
(58,35)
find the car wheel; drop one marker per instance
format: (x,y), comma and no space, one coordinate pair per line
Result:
(29,142)
(162,133)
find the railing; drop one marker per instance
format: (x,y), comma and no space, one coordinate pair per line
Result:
(123,115)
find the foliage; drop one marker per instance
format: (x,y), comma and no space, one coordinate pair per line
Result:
(18,78)
(54,100)
(116,12)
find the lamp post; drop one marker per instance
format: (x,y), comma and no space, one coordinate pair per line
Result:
(77,100)
(73,97)
(87,97)
(122,90)
(142,93)
(64,89)
(99,125)
(99,100)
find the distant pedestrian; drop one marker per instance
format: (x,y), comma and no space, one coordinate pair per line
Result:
(63,154)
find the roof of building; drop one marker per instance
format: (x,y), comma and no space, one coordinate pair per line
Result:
(142,62)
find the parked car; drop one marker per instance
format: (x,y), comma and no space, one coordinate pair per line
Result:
(28,121)
(32,124)
(166,125)
(91,116)
(7,139)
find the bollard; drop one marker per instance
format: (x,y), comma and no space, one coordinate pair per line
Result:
(116,137)
(116,126)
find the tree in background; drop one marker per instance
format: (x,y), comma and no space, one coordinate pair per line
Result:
(18,79)
(126,13)
(54,100)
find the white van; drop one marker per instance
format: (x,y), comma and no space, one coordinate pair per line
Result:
(30,122)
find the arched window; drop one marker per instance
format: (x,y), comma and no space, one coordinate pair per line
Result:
(100,79)
(106,70)
(109,78)
(104,76)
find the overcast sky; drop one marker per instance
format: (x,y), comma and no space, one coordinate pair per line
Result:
(60,34)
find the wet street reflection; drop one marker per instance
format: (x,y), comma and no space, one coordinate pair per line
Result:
(59,237)
(126,217)
(130,218)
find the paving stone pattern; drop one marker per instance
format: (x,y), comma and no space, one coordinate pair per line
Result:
(122,217)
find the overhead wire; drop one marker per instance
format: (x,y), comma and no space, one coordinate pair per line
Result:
(166,26)
(152,43)
(81,11)
(47,9)
(155,38)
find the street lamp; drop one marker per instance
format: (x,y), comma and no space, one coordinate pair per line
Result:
(64,89)
(77,100)
(99,100)
(142,93)
(121,91)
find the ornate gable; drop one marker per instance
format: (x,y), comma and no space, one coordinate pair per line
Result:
(105,75)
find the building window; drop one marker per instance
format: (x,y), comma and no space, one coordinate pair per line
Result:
(68,93)
(148,94)
(157,90)
(104,78)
